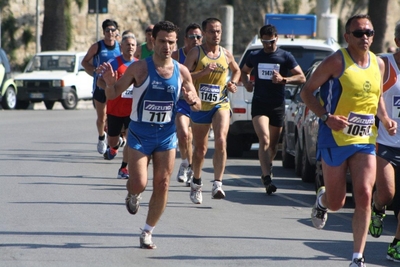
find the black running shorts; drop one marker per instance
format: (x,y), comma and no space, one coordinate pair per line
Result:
(275,113)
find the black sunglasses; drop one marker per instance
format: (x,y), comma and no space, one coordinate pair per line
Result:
(195,36)
(268,41)
(360,33)
(110,30)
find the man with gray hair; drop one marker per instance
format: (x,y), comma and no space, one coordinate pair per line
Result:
(388,152)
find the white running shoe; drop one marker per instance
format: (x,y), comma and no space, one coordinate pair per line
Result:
(132,203)
(122,142)
(102,145)
(358,263)
(182,175)
(190,177)
(217,192)
(195,193)
(145,240)
(318,215)
(211,134)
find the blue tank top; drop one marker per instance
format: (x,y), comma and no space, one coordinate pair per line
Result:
(104,54)
(155,100)
(181,56)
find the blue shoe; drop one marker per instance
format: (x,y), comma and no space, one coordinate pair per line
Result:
(109,154)
(123,173)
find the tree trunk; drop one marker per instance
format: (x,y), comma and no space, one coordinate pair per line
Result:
(377,10)
(54,29)
(175,11)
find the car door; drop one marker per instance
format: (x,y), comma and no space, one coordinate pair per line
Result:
(84,84)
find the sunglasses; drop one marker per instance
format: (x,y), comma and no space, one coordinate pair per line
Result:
(360,33)
(268,41)
(110,30)
(195,36)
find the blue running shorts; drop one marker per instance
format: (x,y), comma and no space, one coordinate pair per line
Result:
(183,107)
(335,156)
(149,137)
(205,117)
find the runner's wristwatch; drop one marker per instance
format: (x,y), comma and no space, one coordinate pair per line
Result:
(325,117)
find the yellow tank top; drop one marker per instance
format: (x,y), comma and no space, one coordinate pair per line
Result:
(211,88)
(356,96)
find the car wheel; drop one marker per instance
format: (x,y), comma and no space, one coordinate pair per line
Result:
(319,178)
(298,158)
(22,104)
(49,104)
(71,101)
(234,145)
(9,100)
(287,159)
(307,170)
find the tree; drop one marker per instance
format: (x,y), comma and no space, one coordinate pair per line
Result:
(377,10)
(54,27)
(175,11)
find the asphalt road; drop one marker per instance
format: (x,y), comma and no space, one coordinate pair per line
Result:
(61,205)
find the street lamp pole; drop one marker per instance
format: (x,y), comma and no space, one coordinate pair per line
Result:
(97,20)
(37,27)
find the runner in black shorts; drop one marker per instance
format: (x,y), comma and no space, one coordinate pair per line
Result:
(275,113)
(99,52)
(99,95)
(268,107)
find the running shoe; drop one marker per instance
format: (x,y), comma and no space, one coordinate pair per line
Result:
(132,203)
(122,141)
(123,173)
(145,240)
(319,215)
(393,252)
(269,186)
(217,192)
(102,144)
(358,263)
(270,170)
(190,177)
(195,193)
(211,134)
(376,224)
(182,175)
(110,154)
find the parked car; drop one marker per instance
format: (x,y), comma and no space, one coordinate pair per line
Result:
(8,92)
(299,140)
(54,76)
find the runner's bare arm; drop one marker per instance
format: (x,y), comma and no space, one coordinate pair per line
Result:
(390,125)
(87,61)
(115,87)
(188,90)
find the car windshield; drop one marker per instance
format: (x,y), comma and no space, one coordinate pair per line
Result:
(306,57)
(52,63)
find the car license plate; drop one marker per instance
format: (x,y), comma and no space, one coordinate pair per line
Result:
(36,95)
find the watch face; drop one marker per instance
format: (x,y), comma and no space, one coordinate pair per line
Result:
(324,117)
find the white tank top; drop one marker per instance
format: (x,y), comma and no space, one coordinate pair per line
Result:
(391,96)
